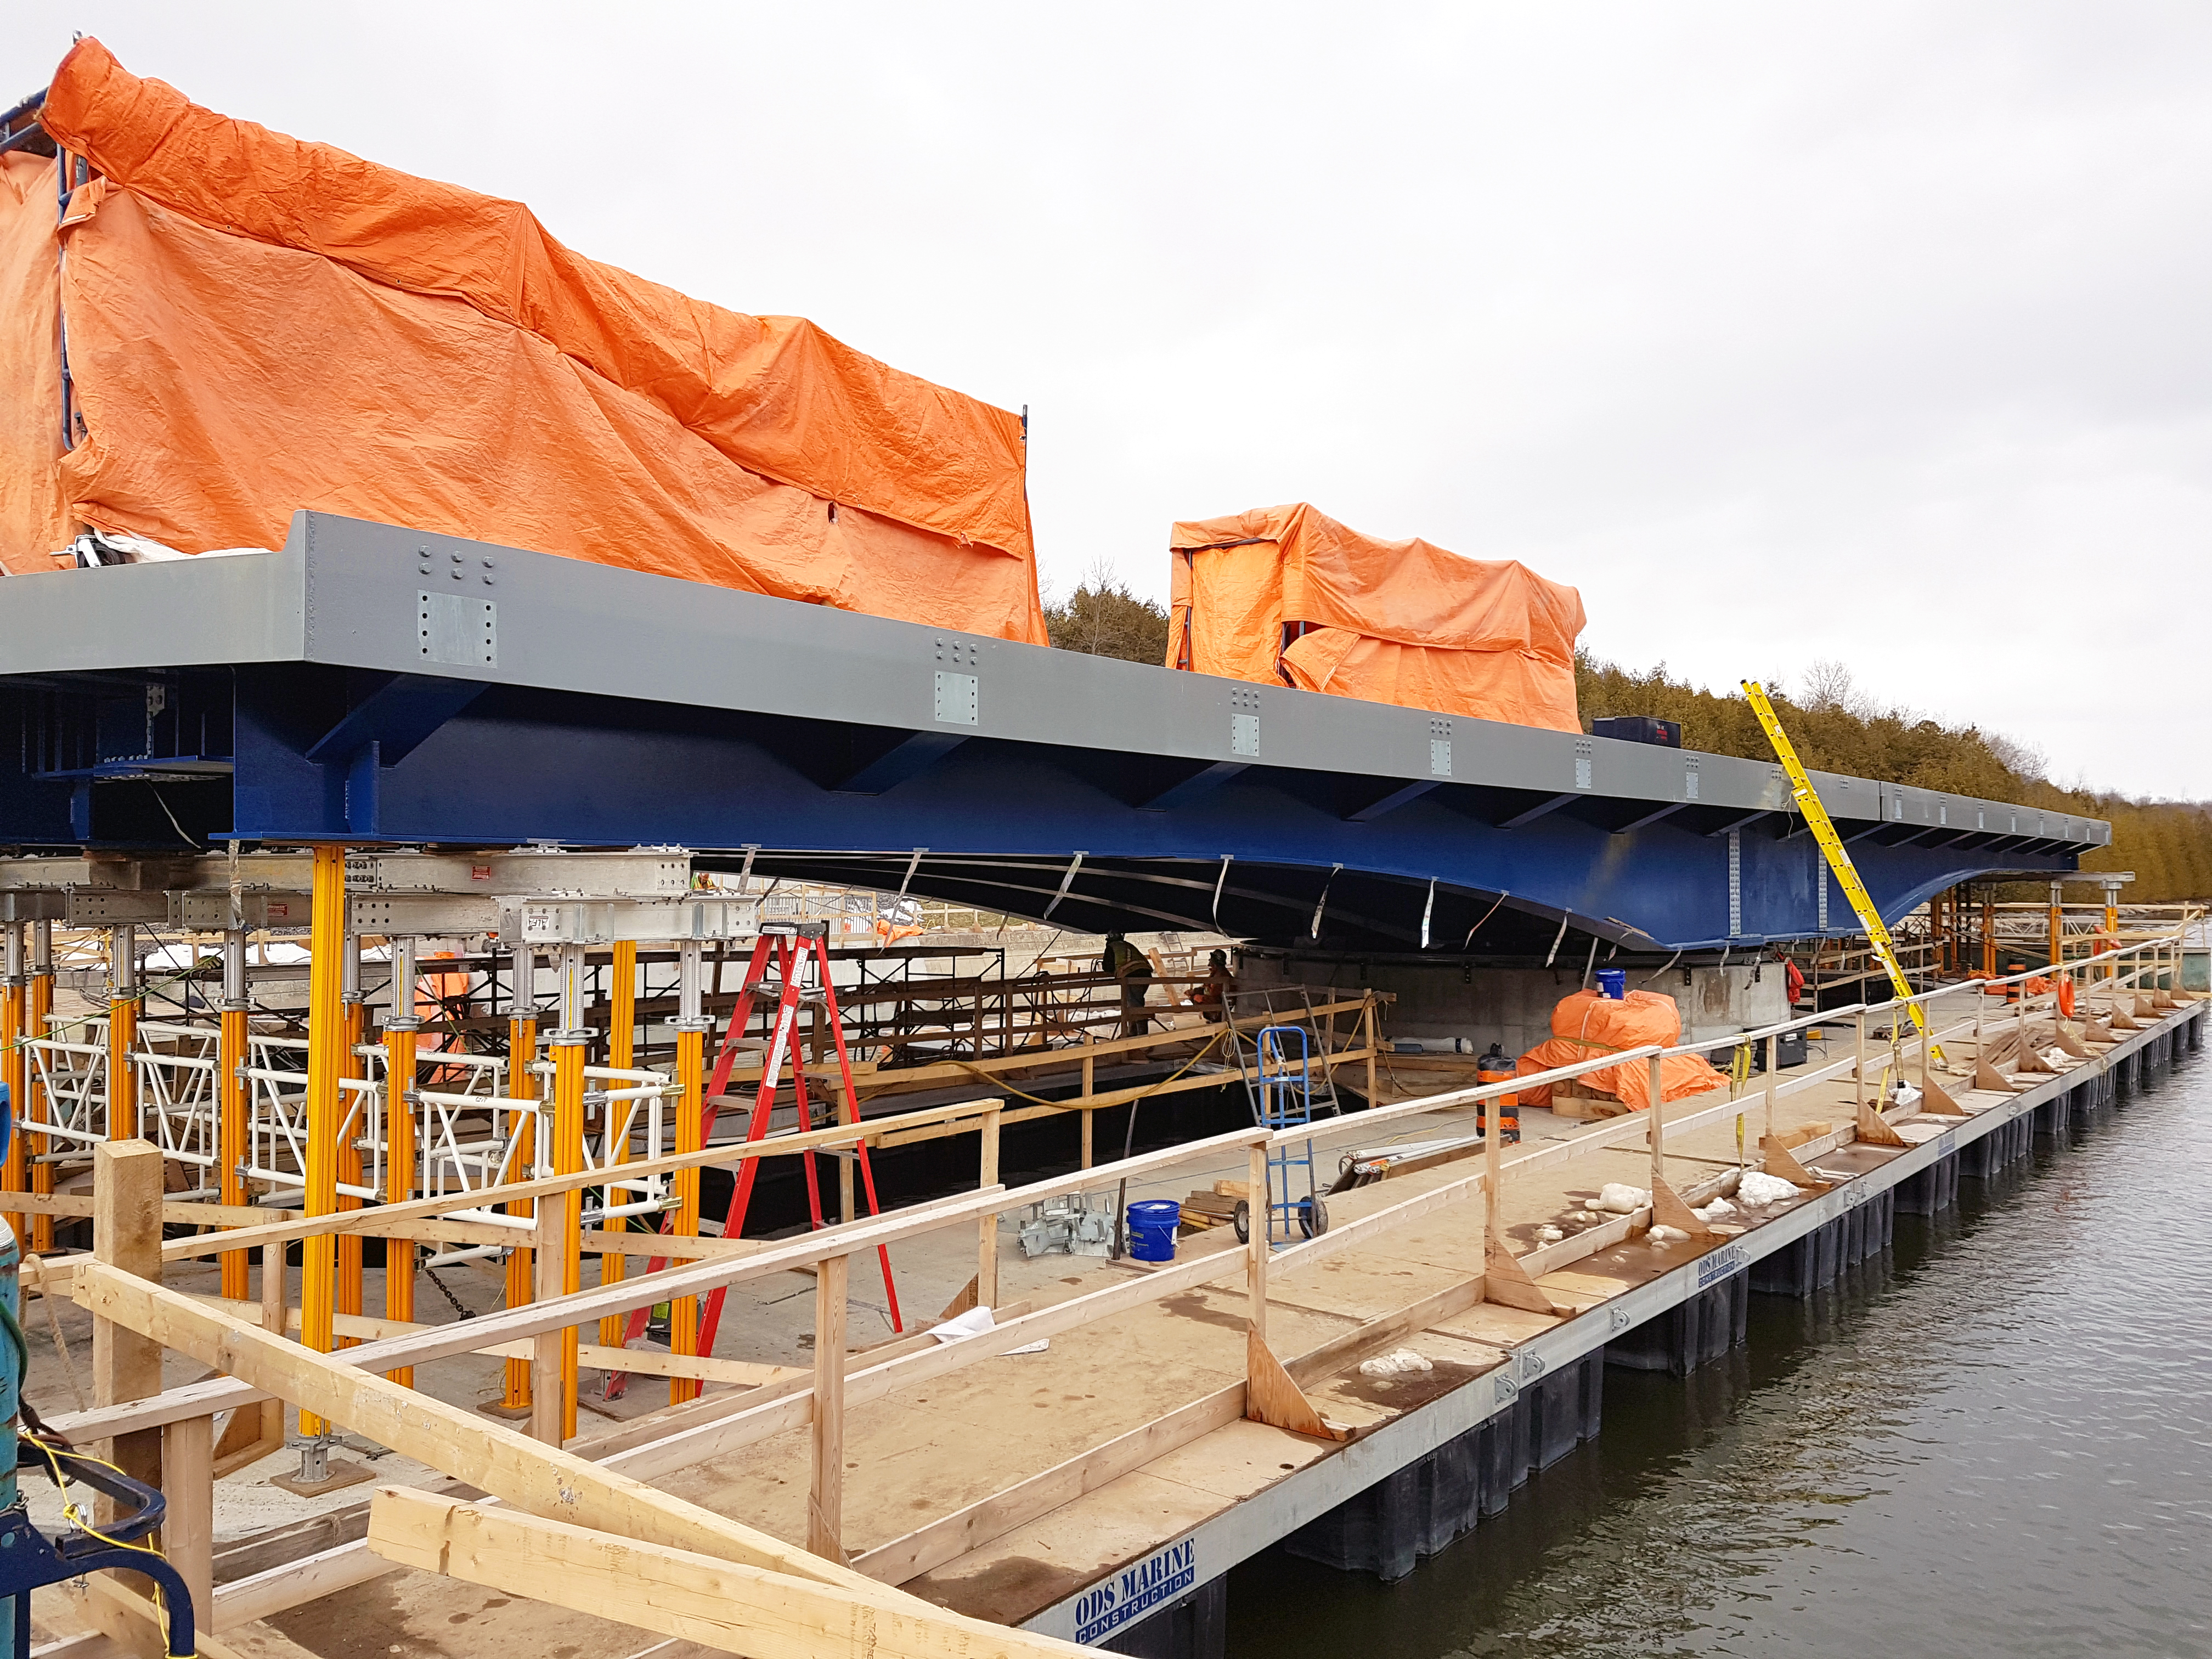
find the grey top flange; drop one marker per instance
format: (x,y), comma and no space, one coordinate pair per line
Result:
(351,593)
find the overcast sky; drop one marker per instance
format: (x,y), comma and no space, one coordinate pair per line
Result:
(1874,332)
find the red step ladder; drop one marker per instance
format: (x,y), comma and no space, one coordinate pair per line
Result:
(792,952)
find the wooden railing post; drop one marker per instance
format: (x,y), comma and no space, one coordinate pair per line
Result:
(547,1420)
(1257,1245)
(126,1233)
(1927,1040)
(1657,1129)
(825,1502)
(188,1489)
(1773,1079)
(272,1289)
(1367,1025)
(1090,1073)
(1858,1068)
(986,1229)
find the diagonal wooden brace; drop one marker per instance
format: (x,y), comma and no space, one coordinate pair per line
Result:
(1506,1282)
(1272,1397)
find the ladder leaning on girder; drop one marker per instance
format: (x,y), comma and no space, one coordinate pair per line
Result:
(1832,847)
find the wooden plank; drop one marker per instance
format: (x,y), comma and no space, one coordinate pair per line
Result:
(136,1622)
(953,1535)
(677,1593)
(264,1595)
(369,1222)
(962,1071)
(85,1644)
(310,1579)
(986,1229)
(223,1393)
(548,1186)
(188,1485)
(745,1373)
(1259,1245)
(786,1255)
(542,1479)
(825,1499)
(466,1336)
(1358,1343)
(126,1235)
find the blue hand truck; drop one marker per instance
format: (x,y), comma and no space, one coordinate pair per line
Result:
(1282,1085)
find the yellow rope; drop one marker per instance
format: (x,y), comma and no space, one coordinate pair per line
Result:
(1077,1105)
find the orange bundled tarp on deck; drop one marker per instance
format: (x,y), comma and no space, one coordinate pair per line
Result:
(1287,594)
(1587,1024)
(257,325)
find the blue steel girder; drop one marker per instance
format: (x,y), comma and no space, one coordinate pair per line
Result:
(1002,820)
(556,700)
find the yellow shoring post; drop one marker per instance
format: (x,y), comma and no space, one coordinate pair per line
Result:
(691,1028)
(1831,846)
(622,1054)
(40,1004)
(571,1046)
(2113,930)
(13,1056)
(327,1033)
(349,1148)
(521,1084)
(2057,927)
(400,1025)
(122,1031)
(231,1115)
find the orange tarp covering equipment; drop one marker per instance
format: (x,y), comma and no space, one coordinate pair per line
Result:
(1589,1023)
(257,325)
(1284,594)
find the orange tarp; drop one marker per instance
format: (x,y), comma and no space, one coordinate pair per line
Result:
(257,324)
(1284,594)
(1589,1023)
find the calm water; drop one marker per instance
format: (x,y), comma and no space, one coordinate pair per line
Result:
(1997,1440)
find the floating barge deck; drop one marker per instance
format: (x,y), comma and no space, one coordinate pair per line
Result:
(1098,1490)
(823,1479)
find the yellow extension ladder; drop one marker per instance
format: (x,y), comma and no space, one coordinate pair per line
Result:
(1832,845)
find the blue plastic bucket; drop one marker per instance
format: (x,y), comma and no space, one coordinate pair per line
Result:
(1153,1226)
(1612,982)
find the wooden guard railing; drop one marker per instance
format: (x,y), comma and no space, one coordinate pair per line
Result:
(132,1414)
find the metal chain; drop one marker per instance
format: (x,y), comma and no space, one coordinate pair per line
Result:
(453,1300)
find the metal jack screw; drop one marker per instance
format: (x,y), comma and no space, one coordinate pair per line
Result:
(314,1459)
(319,1471)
